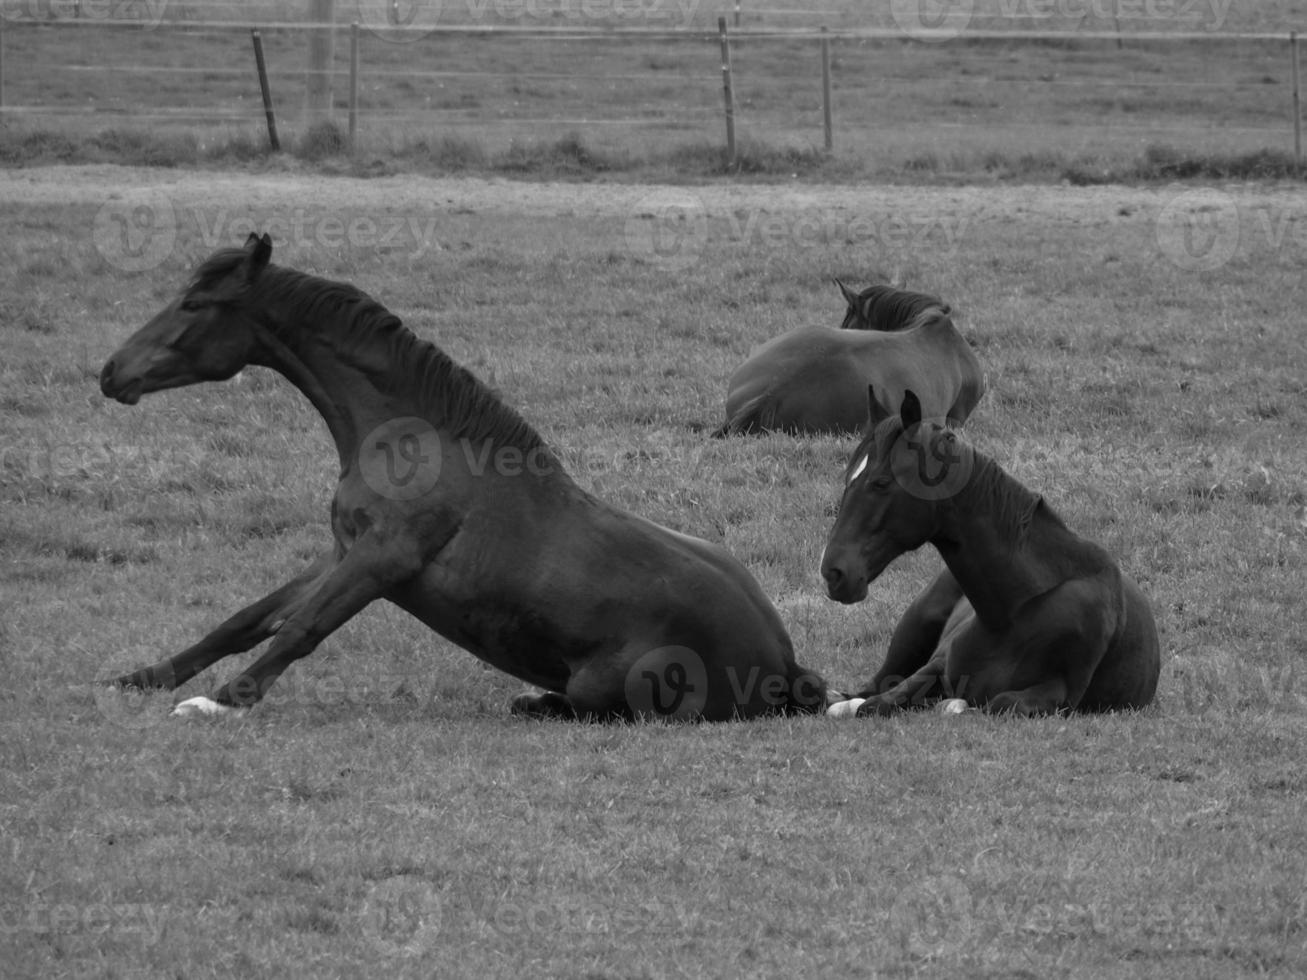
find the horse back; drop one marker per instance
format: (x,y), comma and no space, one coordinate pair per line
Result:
(945,357)
(805,380)
(815,379)
(932,360)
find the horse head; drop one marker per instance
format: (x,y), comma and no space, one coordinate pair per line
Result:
(896,480)
(202,335)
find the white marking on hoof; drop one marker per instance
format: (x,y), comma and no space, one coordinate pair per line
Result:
(952,706)
(202,707)
(845,709)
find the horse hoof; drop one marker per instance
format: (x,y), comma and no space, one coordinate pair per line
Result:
(202,707)
(952,706)
(546,705)
(845,709)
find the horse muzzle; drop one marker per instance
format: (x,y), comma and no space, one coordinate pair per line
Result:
(841,584)
(111,386)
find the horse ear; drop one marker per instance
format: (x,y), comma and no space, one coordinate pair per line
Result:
(850,296)
(260,251)
(910,410)
(876,413)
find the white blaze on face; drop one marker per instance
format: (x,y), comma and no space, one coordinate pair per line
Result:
(857,469)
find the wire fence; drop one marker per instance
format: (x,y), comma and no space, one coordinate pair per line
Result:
(638,75)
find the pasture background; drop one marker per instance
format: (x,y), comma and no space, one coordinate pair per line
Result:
(382,813)
(547,84)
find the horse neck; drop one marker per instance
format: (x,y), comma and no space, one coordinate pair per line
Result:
(1002,543)
(359,376)
(306,357)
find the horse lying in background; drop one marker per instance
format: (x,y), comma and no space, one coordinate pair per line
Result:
(1027,617)
(815,379)
(453,508)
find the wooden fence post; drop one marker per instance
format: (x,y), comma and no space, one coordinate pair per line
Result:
(728,92)
(825,92)
(265,91)
(353,85)
(322,51)
(1297,107)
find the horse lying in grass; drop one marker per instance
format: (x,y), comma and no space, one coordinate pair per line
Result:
(885,307)
(453,508)
(1028,617)
(814,379)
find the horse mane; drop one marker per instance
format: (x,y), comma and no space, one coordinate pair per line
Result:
(927,316)
(886,307)
(1009,502)
(356,325)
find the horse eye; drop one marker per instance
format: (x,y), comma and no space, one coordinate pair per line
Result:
(191,305)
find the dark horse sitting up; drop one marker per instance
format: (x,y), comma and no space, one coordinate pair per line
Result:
(1028,617)
(452,507)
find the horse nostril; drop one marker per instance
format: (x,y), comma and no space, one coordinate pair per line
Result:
(106,375)
(833,576)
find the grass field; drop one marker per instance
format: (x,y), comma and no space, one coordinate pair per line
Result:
(382,814)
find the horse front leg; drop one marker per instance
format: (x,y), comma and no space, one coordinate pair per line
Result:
(367,572)
(911,692)
(917,635)
(246,629)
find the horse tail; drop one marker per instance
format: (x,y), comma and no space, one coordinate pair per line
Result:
(756,415)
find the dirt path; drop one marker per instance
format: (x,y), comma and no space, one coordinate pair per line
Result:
(1197,227)
(100,183)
